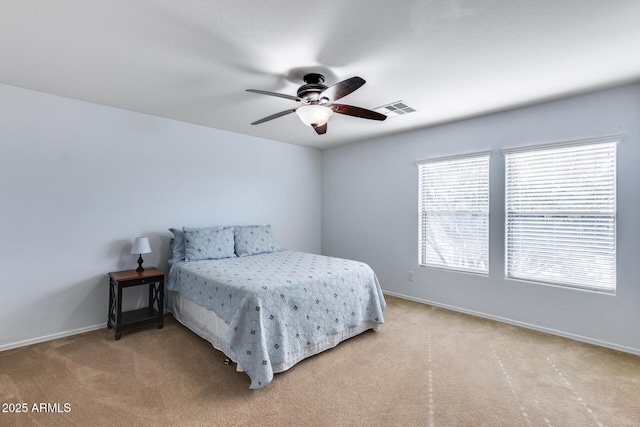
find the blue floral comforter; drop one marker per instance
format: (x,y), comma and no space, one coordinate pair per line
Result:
(277,303)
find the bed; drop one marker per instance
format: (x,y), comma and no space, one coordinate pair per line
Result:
(265,307)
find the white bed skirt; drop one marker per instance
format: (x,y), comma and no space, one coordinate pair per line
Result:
(209,326)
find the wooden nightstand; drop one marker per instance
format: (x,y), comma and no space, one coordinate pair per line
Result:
(153,313)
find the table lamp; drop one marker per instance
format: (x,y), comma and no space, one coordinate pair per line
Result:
(141,246)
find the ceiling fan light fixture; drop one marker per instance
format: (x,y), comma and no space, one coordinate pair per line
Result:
(318,102)
(314,115)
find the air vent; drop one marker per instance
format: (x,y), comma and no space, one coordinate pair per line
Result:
(397,108)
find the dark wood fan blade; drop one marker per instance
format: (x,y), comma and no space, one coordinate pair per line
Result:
(274,116)
(342,89)
(280,95)
(363,113)
(321,130)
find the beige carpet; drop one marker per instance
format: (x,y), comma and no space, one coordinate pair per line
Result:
(426,367)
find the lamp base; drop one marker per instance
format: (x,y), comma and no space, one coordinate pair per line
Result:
(140,264)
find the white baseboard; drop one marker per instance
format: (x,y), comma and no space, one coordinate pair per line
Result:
(581,338)
(52,337)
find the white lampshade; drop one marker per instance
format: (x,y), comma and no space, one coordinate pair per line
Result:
(141,246)
(317,115)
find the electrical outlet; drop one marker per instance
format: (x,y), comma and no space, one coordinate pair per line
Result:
(410,276)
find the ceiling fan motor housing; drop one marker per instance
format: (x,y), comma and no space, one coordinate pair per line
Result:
(312,89)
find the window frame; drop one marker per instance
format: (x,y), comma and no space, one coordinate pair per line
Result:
(423,261)
(579,217)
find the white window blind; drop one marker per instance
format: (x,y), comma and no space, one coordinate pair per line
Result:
(560,214)
(454,212)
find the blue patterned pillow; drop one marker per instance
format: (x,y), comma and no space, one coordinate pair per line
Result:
(177,244)
(208,243)
(254,239)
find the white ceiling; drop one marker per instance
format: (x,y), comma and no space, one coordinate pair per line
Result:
(191,60)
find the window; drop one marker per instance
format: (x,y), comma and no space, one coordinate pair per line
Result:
(561,214)
(454,212)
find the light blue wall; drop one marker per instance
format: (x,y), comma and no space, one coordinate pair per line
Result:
(79,181)
(369,213)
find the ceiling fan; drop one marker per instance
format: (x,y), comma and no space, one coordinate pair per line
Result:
(318,102)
